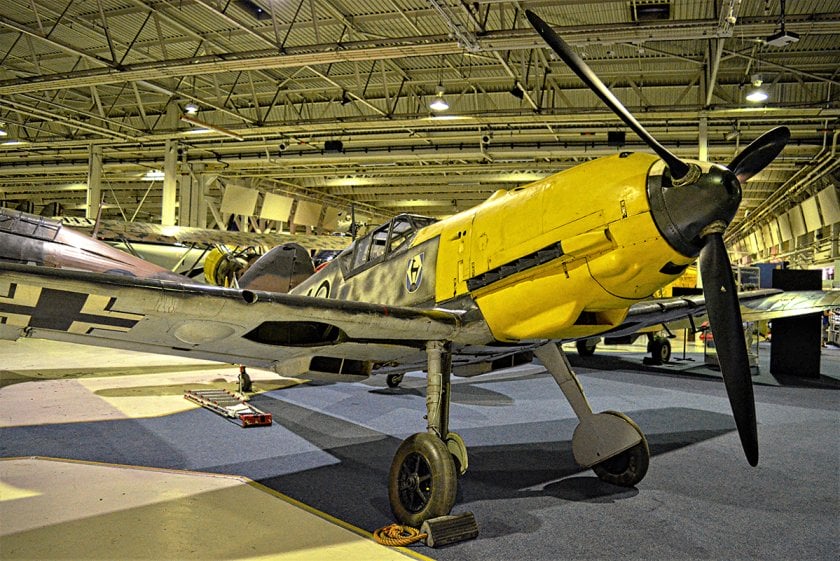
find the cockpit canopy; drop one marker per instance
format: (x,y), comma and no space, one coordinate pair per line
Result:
(388,239)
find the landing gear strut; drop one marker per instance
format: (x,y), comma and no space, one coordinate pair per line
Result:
(424,474)
(610,443)
(245,384)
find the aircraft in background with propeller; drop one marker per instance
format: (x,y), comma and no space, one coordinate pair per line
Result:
(569,257)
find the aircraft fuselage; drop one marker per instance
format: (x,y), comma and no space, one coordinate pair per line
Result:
(562,257)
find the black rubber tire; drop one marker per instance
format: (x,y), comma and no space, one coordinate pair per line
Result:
(660,350)
(628,468)
(586,347)
(422,482)
(394,380)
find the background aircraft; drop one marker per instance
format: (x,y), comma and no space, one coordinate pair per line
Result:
(568,257)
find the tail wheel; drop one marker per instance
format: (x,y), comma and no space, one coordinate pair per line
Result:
(394,380)
(629,467)
(422,482)
(660,349)
(586,347)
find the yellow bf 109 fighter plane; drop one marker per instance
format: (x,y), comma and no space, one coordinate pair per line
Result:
(566,258)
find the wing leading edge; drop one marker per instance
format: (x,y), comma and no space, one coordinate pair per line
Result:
(238,326)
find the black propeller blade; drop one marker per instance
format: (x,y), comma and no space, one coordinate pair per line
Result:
(759,153)
(678,168)
(725,317)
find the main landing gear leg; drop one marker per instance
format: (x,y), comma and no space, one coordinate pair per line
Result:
(610,442)
(424,474)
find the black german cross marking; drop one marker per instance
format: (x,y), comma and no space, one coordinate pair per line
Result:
(60,309)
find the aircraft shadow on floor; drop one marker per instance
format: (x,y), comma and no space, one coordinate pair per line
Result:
(355,487)
(340,466)
(696,368)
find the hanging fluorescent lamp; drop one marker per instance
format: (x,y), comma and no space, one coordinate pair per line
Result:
(438,103)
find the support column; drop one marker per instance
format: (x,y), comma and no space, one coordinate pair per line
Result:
(94,181)
(192,206)
(170,183)
(703,140)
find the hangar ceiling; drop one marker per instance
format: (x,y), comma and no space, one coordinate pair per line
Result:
(275,80)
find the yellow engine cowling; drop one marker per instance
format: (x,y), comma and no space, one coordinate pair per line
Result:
(565,256)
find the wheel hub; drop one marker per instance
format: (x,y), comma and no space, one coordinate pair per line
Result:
(415,482)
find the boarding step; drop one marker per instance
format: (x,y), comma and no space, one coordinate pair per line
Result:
(230,405)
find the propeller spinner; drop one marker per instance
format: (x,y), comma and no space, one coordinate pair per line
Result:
(692,208)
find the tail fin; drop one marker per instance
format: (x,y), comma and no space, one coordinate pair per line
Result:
(279,270)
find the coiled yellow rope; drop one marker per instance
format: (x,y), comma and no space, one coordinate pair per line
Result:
(398,536)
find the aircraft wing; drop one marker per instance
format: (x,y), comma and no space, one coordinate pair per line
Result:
(270,330)
(792,303)
(756,305)
(155,233)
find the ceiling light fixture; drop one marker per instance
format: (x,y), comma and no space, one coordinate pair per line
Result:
(438,103)
(153,175)
(757,95)
(214,128)
(191,108)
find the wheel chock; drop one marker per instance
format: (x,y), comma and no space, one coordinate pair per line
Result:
(446,530)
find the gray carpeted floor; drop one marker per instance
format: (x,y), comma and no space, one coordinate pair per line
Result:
(332,444)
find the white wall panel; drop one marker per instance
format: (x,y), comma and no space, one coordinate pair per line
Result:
(759,238)
(239,200)
(307,213)
(812,214)
(829,205)
(797,221)
(774,232)
(768,239)
(784,228)
(276,207)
